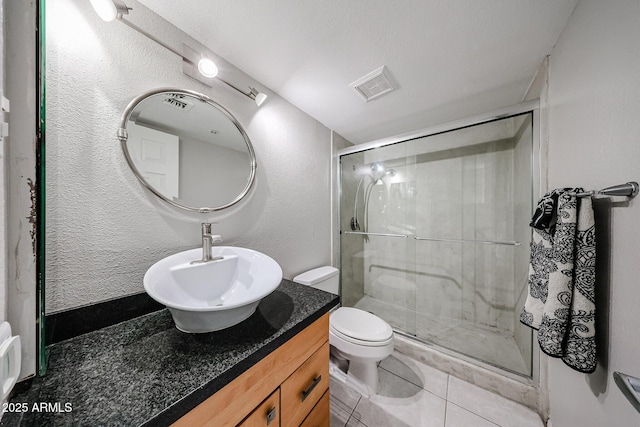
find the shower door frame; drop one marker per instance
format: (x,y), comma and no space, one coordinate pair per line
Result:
(538,182)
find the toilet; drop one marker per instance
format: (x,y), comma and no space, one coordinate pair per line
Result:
(356,336)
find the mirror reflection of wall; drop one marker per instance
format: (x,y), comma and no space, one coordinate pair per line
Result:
(227,170)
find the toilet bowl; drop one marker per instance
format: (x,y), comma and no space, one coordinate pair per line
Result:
(356,336)
(363,339)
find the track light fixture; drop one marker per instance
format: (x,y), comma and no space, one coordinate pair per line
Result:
(109,10)
(259,97)
(207,68)
(253,93)
(194,64)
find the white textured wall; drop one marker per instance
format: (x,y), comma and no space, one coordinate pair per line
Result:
(594,141)
(103,229)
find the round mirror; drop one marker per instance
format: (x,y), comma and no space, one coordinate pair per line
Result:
(187,149)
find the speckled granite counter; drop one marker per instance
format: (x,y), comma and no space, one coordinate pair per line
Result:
(146,372)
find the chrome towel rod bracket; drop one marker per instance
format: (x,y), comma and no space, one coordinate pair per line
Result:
(630,189)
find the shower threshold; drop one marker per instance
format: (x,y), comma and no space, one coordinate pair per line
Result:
(485,345)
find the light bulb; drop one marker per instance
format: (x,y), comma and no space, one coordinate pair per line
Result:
(260,98)
(207,68)
(105,9)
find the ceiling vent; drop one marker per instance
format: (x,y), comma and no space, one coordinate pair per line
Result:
(178,101)
(374,84)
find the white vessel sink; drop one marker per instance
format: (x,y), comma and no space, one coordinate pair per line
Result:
(214,295)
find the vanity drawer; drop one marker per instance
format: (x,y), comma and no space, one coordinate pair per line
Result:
(267,414)
(304,388)
(319,416)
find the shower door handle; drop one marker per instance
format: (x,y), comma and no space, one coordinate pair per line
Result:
(434,239)
(362,233)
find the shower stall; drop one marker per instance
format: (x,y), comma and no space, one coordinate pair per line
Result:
(434,237)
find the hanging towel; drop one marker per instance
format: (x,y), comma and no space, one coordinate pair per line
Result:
(545,212)
(542,262)
(580,349)
(560,302)
(555,315)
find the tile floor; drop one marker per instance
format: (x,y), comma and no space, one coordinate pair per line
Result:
(414,395)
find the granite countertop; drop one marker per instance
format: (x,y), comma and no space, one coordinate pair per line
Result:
(146,372)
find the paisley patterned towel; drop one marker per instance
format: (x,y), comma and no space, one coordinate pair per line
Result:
(545,214)
(560,302)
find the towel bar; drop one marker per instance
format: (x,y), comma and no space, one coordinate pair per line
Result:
(630,189)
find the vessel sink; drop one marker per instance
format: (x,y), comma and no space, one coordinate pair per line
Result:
(206,297)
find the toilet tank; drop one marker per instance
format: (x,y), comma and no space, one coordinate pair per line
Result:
(325,278)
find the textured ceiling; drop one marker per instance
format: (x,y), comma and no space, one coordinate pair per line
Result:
(450,59)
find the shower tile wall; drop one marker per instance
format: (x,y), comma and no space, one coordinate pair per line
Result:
(492,265)
(459,194)
(389,275)
(439,214)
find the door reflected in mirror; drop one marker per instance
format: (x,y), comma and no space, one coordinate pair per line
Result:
(187,149)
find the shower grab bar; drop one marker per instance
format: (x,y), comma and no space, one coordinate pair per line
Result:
(433,239)
(486,242)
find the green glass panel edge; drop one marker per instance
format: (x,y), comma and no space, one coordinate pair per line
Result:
(41,193)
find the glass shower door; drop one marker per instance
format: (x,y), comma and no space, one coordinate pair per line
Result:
(473,205)
(434,238)
(376,254)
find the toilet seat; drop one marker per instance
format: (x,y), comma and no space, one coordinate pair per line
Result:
(360,342)
(360,327)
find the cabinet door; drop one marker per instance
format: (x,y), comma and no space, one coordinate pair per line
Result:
(304,388)
(267,414)
(320,414)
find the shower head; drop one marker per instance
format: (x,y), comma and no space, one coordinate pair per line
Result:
(375,168)
(377,173)
(382,174)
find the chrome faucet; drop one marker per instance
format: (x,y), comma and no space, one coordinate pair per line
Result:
(208,240)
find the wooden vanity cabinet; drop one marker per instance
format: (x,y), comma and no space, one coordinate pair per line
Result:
(304,388)
(319,415)
(289,387)
(267,414)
